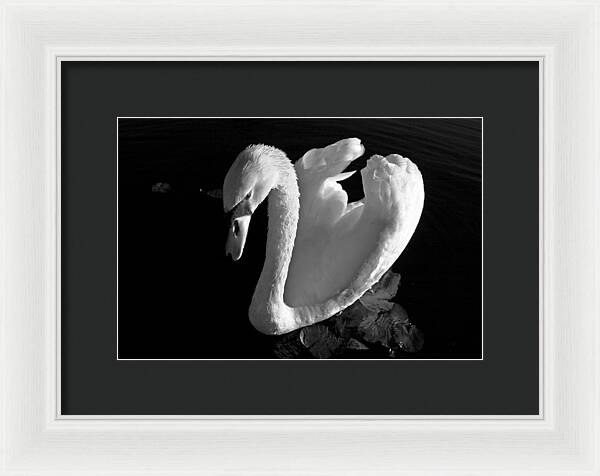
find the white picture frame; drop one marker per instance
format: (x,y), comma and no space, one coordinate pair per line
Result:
(562,35)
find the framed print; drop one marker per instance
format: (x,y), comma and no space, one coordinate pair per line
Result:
(299,248)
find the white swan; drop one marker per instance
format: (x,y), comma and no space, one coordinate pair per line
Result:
(322,253)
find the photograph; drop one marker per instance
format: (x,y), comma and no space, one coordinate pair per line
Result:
(300,238)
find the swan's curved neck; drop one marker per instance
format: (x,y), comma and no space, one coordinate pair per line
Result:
(268,311)
(284,209)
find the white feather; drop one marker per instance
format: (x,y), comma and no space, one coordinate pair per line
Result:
(322,252)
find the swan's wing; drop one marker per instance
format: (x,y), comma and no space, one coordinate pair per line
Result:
(341,250)
(319,171)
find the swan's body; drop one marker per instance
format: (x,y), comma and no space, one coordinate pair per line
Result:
(322,253)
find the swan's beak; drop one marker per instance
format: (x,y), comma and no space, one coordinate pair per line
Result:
(236,239)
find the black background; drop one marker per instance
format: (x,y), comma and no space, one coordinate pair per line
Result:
(94,94)
(181,297)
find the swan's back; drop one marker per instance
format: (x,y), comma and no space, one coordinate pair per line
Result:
(343,248)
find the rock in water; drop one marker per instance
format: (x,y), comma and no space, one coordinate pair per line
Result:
(161,187)
(216,193)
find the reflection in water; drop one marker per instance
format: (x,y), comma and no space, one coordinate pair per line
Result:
(373,323)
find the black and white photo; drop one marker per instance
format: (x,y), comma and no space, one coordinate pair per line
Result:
(300,238)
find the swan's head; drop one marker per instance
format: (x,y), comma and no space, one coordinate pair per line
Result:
(253,174)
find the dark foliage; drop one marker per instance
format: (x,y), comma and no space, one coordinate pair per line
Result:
(371,323)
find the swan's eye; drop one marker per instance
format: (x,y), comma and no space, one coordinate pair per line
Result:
(236,228)
(248,195)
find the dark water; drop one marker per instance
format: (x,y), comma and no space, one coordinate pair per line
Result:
(180,297)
